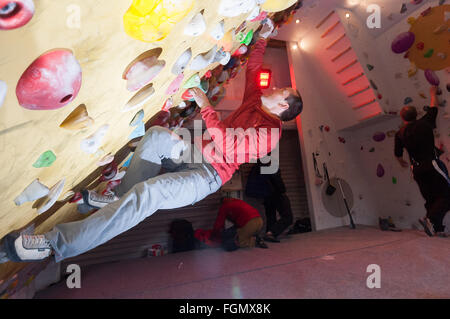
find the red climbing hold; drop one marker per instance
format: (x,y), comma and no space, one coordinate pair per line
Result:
(15,14)
(420,46)
(52,81)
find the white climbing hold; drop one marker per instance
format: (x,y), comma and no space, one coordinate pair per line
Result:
(92,143)
(105,160)
(254,13)
(222,57)
(51,198)
(119,176)
(3,89)
(68,195)
(32,192)
(218,31)
(137,118)
(182,62)
(233,8)
(201,61)
(196,26)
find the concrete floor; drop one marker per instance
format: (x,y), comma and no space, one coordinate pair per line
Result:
(324,264)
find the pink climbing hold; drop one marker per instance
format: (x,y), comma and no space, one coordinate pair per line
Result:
(175,85)
(403,42)
(52,81)
(15,14)
(380,170)
(432,78)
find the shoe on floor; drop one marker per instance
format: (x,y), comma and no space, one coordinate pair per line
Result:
(95,200)
(260,243)
(427,226)
(27,248)
(271,238)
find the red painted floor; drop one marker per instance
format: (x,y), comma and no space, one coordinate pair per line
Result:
(325,264)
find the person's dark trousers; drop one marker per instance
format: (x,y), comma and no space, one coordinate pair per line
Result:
(281,203)
(436,192)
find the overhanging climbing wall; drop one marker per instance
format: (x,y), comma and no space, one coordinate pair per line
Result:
(74,73)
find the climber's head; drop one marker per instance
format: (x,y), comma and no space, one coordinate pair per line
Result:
(408,114)
(285,103)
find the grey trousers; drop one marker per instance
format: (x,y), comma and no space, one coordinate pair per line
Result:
(142,192)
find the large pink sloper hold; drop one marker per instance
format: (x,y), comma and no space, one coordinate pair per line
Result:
(52,81)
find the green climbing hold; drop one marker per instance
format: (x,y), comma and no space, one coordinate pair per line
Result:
(429,53)
(369,67)
(248,38)
(394,180)
(45,160)
(192,82)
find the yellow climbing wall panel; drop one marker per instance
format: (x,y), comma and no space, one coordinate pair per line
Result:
(94,31)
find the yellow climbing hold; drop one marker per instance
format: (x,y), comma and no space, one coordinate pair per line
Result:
(152,20)
(413,70)
(277,5)
(411,20)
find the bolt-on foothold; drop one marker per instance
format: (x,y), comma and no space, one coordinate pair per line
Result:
(32,192)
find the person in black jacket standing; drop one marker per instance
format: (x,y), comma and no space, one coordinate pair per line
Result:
(273,190)
(430,173)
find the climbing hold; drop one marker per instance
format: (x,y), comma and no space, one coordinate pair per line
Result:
(422,95)
(207,75)
(403,8)
(379,96)
(109,172)
(128,161)
(3,89)
(406,56)
(222,57)
(175,85)
(374,86)
(379,136)
(143,69)
(260,17)
(432,77)
(192,82)
(426,12)
(218,31)
(420,46)
(327,128)
(196,26)
(254,14)
(394,180)
(138,132)
(52,81)
(182,62)
(233,8)
(203,60)
(137,118)
(227,41)
(441,55)
(412,70)
(448,87)
(411,20)
(369,67)
(32,192)
(241,50)
(341,139)
(105,160)
(429,53)
(15,14)
(68,195)
(391,133)
(441,2)
(321,127)
(45,160)
(372,150)
(407,100)
(416,1)
(117,177)
(277,5)
(91,144)
(78,119)
(47,202)
(440,29)
(380,170)
(152,20)
(168,104)
(248,38)
(140,98)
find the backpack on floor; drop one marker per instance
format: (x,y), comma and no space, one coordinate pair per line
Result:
(182,236)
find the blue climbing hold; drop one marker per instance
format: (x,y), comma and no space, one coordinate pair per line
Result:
(408,100)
